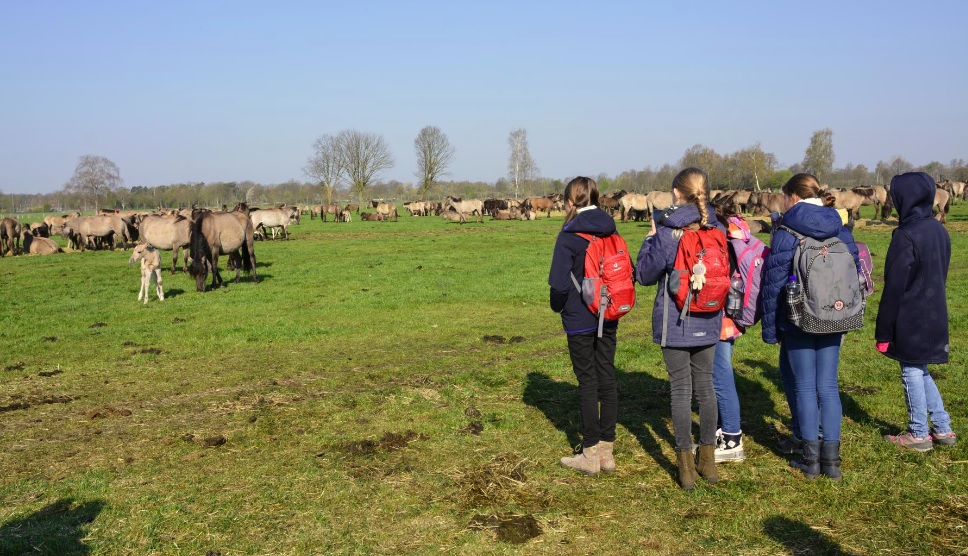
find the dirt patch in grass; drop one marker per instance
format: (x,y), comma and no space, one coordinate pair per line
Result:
(129,343)
(98,325)
(25,402)
(177,320)
(151,351)
(472,412)
(510,528)
(50,338)
(390,441)
(500,482)
(55,372)
(474,427)
(104,412)
(495,339)
(18,366)
(860,389)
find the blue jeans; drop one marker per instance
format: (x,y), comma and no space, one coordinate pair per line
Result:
(789,389)
(923,401)
(814,359)
(725,385)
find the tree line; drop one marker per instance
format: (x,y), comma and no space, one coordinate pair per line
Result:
(347,166)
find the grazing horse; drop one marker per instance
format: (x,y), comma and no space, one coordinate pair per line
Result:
(633,201)
(9,236)
(221,233)
(168,232)
(539,204)
(387,210)
(273,218)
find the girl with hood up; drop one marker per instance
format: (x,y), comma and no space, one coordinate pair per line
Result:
(592,358)
(688,345)
(812,358)
(912,319)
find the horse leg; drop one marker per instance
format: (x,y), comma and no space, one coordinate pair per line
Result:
(158,288)
(216,277)
(174,259)
(144,286)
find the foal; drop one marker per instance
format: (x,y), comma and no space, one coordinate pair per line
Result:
(150,266)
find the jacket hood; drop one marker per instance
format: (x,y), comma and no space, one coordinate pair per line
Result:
(913,195)
(813,221)
(679,217)
(592,221)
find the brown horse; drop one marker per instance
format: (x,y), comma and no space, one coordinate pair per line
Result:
(9,236)
(221,233)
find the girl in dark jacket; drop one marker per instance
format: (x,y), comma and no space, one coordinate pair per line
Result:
(812,358)
(592,358)
(912,319)
(689,344)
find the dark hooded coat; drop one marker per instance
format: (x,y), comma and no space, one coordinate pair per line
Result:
(569,258)
(809,220)
(655,261)
(913,313)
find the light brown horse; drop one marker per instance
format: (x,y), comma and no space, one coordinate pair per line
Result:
(34,245)
(167,232)
(221,233)
(9,236)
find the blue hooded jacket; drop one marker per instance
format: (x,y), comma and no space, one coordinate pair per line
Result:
(809,220)
(568,258)
(655,261)
(913,312)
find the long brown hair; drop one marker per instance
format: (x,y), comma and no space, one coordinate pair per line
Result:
(806,186)
(582,192)
(693,187)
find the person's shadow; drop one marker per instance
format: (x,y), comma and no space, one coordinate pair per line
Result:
(800,538)
(56,529)
(643,407)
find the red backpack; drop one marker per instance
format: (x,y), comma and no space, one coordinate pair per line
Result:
(700,274)
(607,289)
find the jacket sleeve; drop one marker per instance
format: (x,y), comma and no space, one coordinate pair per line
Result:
(775,276)
(559,277)
(651,263)
(898,266)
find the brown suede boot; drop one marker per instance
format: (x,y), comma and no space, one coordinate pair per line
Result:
(586,462)
(707,463)
(605,457)
(687,469)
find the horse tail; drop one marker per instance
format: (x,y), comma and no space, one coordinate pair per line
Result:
(198,247)
(246,257)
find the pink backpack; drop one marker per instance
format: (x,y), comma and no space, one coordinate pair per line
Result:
(750,254)
(866,268)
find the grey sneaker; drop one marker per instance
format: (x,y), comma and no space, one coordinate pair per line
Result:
(730,449)
(908,440)
(944,438)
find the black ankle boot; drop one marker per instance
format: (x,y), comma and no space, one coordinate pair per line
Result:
(809,465)
(830,460)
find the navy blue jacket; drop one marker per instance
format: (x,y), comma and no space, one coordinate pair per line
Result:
(809,220)
(655,261)
(913,313)
(569,257)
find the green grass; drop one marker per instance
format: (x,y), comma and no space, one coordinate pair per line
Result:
(332,408)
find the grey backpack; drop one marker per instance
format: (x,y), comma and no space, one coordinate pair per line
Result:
(831,299)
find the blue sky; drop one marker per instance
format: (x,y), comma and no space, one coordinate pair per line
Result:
(221,91)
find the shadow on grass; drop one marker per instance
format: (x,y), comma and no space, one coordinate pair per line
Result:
(58,528)
(800,538)
(643,408)
(850,407)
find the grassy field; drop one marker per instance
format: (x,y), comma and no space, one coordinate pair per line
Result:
(403,388)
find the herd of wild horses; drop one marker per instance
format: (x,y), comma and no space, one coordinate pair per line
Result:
(204,235)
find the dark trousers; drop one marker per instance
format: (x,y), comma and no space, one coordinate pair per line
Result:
(691,370)
(593,360)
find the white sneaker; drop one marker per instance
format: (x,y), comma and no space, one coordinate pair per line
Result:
(730,450)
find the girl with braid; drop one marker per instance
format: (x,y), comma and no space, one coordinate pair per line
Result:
(688,344)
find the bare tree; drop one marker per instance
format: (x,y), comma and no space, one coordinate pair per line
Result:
(434,154)
(362,156)
(521,167)
(94,177)
(324,165)
(819,158)
(753,161)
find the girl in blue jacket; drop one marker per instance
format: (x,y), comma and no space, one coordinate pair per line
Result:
(689,344)
(592,358)
(912,319)
(812,358)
